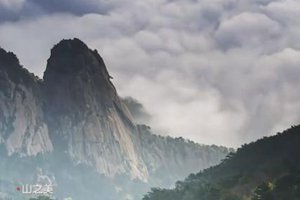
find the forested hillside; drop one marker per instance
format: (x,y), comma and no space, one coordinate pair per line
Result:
(268,169)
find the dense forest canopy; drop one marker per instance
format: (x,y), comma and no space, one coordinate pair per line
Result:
(268,169)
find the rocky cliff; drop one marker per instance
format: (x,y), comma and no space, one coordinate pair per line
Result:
(85,111)
(76,111)
(23,128)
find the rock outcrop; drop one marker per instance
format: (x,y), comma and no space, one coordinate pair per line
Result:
(23,128)
(85,111)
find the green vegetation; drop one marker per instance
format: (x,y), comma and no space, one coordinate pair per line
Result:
(10,65)
(268,169)
(286,187)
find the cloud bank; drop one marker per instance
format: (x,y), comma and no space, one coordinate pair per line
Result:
(214,71)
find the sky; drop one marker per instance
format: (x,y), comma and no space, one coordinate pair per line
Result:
(222,72)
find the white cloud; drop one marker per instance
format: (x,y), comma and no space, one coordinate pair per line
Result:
(249,30)
(215,71)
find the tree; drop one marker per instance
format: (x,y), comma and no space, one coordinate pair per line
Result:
(264,192)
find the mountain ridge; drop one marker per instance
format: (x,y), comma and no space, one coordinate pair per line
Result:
(75,112)
(19,87)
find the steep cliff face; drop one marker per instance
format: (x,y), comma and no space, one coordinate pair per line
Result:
(85,111)
(22,126)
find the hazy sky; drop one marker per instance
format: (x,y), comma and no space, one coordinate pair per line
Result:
(214,71)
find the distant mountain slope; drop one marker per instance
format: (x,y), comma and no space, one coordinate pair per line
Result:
(174,155)
(73,122)
(268,169)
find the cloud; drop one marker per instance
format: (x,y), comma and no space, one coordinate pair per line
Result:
(76,7)
(9,9)
(15,10)
(12,5)
(243,30)
(221,72)
(139,114)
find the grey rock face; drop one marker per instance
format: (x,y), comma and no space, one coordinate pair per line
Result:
(85,110)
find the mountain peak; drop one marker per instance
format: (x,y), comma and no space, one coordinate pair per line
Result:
(71,69)
(72,56)
(8,58)
(10,65)
(71,46)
